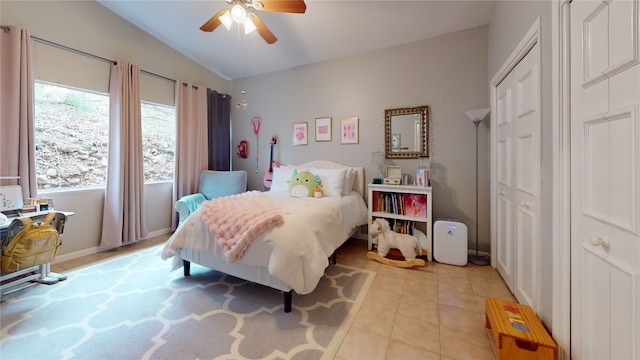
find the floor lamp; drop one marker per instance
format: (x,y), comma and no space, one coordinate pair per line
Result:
(476,117)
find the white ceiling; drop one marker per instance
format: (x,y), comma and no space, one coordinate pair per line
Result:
(328,30)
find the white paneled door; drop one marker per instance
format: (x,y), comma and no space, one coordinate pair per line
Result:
(605,179)
(518,177)
(504,180)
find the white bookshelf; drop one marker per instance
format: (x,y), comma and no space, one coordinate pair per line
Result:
(394,212)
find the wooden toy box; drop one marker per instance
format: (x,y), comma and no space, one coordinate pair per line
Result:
(517,331)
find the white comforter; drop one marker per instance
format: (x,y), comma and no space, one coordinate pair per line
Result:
(295,253)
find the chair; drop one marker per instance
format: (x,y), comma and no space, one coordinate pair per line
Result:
(213,184)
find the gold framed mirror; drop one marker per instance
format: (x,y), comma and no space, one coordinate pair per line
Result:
(406,132)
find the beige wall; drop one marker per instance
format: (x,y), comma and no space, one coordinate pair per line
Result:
(89,27)
(509,24)
(448,73)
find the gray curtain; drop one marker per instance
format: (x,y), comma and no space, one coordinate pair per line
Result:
(124,219)
(219,130)
(17,144)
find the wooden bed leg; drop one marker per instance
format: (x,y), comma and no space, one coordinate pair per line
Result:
(187,267)
(335,258)
(288,296)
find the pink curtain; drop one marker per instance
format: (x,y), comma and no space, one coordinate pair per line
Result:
(17,148)
(124,218)
(191,145)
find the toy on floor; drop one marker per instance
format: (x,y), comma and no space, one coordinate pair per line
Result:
(408,245)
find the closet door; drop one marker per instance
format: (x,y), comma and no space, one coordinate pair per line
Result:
(518,178)
(504,167)
(605,177)
(527,177)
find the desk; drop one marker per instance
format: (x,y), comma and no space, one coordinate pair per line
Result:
(42,273)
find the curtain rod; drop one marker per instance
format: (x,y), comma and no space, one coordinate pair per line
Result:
(96,57)
(63,47)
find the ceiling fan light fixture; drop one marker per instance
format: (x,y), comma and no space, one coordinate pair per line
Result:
(238,13)
(249,26)
(227,20)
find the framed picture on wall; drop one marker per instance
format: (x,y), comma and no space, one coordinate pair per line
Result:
(323,129)
(300,133)
(349,131)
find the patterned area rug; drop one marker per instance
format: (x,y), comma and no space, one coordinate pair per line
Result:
(133,307)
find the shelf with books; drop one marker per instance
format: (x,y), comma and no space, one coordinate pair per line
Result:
(406,207)
(403,204)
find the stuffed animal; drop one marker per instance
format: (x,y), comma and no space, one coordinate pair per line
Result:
(303,183)
(408,245)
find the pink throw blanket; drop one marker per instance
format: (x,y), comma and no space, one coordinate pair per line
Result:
(237,220)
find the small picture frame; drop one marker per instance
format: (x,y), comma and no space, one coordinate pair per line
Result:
(323,129)
(300,133)
(349,131)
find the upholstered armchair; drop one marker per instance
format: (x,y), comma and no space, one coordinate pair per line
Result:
(213,184)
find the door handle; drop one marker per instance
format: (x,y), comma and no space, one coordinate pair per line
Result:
(600,241)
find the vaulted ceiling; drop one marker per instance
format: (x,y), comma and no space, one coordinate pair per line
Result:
(327,30)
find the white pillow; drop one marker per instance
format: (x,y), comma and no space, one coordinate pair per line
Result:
(349,179)
(332,181)
(281,177)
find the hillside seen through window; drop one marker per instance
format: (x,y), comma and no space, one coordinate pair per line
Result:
(72,138)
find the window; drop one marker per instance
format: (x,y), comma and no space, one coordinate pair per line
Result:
(71,136)
(158,141)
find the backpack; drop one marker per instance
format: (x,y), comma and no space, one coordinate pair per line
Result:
(30,244)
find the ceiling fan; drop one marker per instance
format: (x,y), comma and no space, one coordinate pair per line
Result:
(238,13)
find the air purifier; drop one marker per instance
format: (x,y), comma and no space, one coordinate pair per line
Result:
(450,242)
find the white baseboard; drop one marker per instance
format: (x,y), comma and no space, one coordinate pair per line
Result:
(95,250)
(75,255)
(158,233)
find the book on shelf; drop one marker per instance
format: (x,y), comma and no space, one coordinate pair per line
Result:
(401,226)
(401,204)
(415,205)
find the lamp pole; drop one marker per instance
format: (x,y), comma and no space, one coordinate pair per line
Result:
(477,259)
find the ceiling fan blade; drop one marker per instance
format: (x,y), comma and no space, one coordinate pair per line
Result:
(289,6)
(214,22)
(262,29)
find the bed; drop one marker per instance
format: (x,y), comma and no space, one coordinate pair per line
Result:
(290,257)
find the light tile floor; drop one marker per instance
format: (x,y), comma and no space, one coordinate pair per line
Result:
(431,312)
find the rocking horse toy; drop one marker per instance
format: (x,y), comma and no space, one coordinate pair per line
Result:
(408,245)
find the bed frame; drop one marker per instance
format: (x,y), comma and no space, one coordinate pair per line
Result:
(260,275)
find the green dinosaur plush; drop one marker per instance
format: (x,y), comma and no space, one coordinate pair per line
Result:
(303,183)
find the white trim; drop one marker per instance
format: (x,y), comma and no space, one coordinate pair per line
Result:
(94,250)
(520,51)
(561,188)
(530,39)
(74,255)
(153,234)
